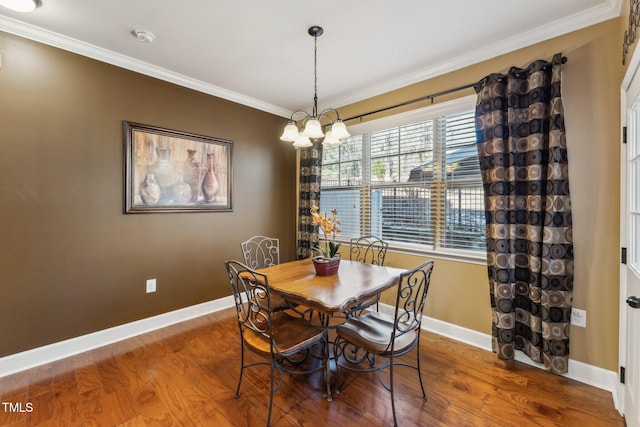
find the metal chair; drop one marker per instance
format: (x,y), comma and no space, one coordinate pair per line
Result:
(274,335)
(373,333)
(261,252)
(370,250)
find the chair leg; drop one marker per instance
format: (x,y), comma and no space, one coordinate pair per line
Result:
(327,360)
(241,369)
(336,356)
(424,395)
(393,400)
(271,393)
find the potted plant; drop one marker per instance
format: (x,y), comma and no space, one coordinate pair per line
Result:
(328,262)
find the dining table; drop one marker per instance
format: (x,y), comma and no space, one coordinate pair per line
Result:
(330,296)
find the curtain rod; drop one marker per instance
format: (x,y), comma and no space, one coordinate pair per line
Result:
(412,101)
(423,98)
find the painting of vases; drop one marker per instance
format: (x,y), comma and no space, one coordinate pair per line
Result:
(172,171)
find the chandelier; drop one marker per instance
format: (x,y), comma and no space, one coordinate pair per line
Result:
(312,129)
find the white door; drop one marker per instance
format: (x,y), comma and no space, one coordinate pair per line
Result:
(630,272)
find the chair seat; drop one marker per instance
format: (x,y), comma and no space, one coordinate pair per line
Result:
(291,334)
(372,332)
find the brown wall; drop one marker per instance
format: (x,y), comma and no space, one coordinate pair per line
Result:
(591,97)
(70,261)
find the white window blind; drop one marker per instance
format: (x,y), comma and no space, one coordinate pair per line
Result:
(416,184)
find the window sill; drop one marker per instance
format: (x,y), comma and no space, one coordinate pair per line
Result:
(469,257)
(450,255)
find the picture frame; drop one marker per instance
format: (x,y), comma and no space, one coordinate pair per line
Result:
(173,171)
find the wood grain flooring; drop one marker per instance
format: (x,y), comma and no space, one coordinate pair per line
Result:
(185,375)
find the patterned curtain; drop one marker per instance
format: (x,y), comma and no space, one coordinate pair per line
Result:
(310,166)
(523,160)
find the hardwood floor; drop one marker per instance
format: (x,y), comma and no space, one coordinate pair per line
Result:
(186,375)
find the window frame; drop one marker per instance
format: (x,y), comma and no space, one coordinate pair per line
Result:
(460,105)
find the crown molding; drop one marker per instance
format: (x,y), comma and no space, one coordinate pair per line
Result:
(553,29)
(69,44)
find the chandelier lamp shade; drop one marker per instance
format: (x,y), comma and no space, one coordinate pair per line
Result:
(311,126)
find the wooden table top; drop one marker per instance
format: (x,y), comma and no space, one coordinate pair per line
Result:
(355,281)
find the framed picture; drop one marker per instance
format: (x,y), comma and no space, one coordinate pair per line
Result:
(172,171)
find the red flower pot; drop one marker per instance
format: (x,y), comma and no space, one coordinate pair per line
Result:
(326,266)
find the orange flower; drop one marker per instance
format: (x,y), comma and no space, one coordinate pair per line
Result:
(330,225)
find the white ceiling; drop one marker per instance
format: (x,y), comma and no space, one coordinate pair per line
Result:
(258,52)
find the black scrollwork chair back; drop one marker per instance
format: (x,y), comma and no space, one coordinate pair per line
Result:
(370,250)
(276,336)
(261,252)
(360,338)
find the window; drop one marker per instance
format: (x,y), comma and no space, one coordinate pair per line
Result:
(412,179)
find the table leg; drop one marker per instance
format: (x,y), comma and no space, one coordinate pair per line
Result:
(327,356)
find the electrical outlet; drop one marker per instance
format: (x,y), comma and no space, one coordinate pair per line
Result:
(579,317)
(151,285)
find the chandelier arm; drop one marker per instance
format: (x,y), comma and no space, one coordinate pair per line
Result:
(306,115)
(329,110)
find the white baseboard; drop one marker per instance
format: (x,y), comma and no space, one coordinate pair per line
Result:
(457,333)
(579,371)
(59,350)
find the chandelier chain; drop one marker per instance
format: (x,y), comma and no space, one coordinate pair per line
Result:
(315,75)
